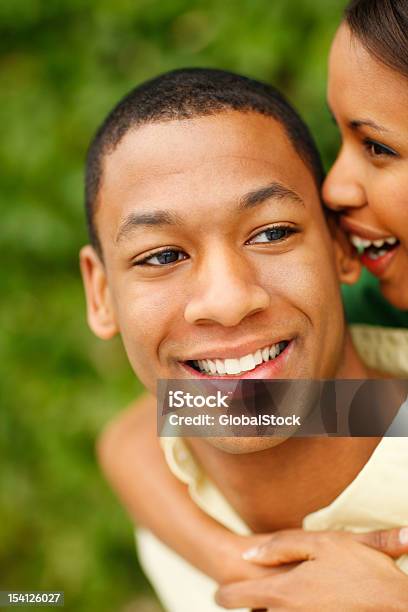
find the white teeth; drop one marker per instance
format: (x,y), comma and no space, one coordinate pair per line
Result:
(232,366)
(211,365)
(247,363)
(376,255)
(355,241)
(220,366)
(362,243)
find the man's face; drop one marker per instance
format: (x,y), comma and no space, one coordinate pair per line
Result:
(217,256)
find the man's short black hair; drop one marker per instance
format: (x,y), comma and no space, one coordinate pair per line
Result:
(184,94)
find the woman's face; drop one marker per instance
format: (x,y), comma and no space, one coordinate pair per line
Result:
(368,183)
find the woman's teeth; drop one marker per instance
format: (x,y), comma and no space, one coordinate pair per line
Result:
(223,367)
(373,248)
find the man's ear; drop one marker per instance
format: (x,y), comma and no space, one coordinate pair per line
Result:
(347,260)
(100,311)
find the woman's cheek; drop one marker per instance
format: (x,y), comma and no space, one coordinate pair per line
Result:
(388,200)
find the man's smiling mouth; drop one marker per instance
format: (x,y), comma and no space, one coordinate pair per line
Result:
(240,365)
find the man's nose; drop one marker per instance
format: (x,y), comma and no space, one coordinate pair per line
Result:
(343,188)
(226,292)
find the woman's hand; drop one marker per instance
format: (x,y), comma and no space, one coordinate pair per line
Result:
(334,571)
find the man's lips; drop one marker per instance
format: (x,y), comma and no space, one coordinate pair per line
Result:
(272,368)
(220,350)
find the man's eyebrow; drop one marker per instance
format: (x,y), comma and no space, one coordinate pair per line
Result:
(146,219)
(274,190)
(355,124)
(164,217)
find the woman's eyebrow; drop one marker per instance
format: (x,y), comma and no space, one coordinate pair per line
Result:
(355,124)
(274,190)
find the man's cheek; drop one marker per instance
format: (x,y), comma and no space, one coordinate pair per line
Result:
(301,280)
(145,324)
(317,272)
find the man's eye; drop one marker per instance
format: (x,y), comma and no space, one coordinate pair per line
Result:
(376,149)
(164,258)
(272,234)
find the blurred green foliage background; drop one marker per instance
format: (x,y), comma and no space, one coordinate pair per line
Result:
(63,65)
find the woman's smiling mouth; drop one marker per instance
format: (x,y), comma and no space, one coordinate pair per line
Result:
(376,255)
(376,251)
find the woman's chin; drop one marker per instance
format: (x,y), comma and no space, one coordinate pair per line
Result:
(396,295)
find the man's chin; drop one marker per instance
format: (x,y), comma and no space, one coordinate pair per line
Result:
(243,446)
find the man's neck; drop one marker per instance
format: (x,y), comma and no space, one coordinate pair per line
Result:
(276,488)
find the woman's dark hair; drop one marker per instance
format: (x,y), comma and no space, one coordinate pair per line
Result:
(382,27)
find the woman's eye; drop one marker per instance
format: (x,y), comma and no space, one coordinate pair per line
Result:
(375,149)
(164,258)
(272,234)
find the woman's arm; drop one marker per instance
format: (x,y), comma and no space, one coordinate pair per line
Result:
(133,462)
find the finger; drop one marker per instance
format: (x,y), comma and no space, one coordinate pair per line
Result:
(255,594)
(392,542)
(283,547)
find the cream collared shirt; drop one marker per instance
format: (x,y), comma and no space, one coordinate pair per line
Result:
(376,499)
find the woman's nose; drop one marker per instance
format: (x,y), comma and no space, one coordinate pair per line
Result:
(343,187)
